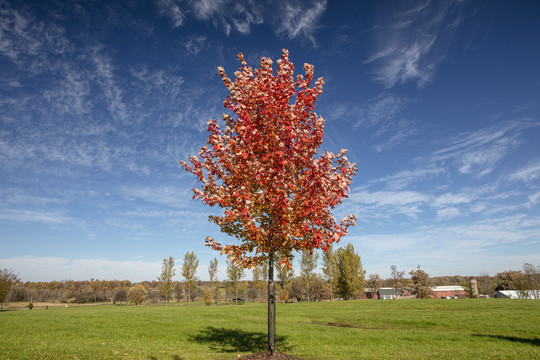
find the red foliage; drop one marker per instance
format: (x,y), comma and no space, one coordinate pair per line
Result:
(264,170)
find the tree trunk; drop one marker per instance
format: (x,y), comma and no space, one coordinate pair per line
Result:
(271,307)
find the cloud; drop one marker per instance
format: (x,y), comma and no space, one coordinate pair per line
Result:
(534,198)
(478,152)
(382,109)
(294,19)
(298,19)
(382,114)
(172,9)
(414,43)
(38,268)
(448,213)
(404,178)
(474,246)
(528,174)
(386,204)
(33,216)
(195,44)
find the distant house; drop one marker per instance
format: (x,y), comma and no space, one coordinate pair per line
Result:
(515,294)
(449,292)
(388,294)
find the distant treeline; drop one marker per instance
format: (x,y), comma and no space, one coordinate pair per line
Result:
(294,289)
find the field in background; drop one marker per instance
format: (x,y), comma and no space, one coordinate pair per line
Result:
(407,329)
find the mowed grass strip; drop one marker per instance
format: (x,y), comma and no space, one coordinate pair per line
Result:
(408,329)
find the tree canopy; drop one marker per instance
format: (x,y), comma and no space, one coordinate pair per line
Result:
(264,170)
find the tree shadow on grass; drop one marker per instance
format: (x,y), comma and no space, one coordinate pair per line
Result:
(236,340)
(535,342)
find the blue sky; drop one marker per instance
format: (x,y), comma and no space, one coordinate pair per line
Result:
(438,102)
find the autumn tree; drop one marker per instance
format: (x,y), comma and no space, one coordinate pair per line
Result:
(137,294)
(308,264)
(351,279)
(421,283)
(509,280)
(7,279)
(264,170)
(165,279)
(330,270)
(189,272)
(212,272)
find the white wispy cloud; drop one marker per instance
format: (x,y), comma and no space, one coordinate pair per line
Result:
(387,204)
(195,44)
(172,10)
(298,19)
(534,198)
(383,108)
(165,195)
(527,174)
(448,213)
(478,152)
(402,179)
(471,245)
(382,114)
(294,19)
(34,216)
(414,43)
(40,268)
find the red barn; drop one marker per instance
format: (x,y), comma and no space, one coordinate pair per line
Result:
(449,292)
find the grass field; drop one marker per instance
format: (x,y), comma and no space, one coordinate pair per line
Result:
(408,329)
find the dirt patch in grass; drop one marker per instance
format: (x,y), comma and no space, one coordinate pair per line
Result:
(343,325)
(266,355)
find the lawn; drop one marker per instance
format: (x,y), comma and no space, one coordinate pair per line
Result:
(407,329)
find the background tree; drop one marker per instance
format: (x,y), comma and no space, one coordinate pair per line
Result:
(485,284)
(121,295)
(319,289)
(212,272)
(374,282)
(189,272)
(7,280)
(165,279)
(137,294)
(397,278)
(421,283)
(308,264)
(297,289)
(178,291)
(351,277)
(260,273)
(235,273)
(263,168)
(285,274)
(509,280)
(531,279)
(330,270)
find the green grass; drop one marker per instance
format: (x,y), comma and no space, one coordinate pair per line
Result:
(408,329)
